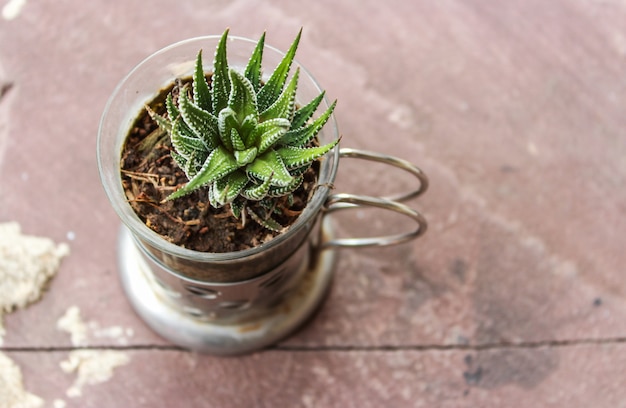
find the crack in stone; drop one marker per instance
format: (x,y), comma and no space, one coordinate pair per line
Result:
(457,347)
(529,345)
(64,349)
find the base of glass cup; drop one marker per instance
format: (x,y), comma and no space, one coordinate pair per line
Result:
(186,331)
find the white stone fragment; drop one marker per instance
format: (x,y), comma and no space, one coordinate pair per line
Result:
(12,393)
(27,263)
(92,367)
(82,332)
(13,9)
(72,323)
(59,403)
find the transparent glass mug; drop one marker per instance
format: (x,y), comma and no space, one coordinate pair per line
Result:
(202,300)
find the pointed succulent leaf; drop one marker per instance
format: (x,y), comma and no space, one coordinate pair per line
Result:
(219,164)
(203,124)
(270,165)
(253,69)
(211,196)
(228,188)
(302,136)
(298,171)
(294,157)
(163,123)
(226,121)
(304,113)
(184,143)
(283,191)
(201,91)
(274,85)
(236,140)
(194,163)
(172,110)
(248,130)
(285,104)
(269,132)
(245,157)
(257,192)
(236,207)
(179,160)
(173,113)
(242,98)
(187,165)
(268,223)
(220,82)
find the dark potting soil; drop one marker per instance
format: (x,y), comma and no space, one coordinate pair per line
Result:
(149,175)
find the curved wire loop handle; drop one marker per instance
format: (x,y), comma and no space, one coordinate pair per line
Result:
(342,201)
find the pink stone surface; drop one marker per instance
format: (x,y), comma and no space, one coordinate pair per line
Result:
(365,379)
(515,110)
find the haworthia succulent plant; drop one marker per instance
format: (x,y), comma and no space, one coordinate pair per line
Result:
(243,138)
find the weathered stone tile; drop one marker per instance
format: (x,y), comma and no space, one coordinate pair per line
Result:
(575,376)
(514,111)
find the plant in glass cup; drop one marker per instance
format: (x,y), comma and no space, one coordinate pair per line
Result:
(233,156)
(235,143)
(243,138)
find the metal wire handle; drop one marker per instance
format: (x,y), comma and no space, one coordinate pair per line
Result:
(343,201)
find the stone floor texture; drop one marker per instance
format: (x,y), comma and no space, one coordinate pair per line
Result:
(516,295)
